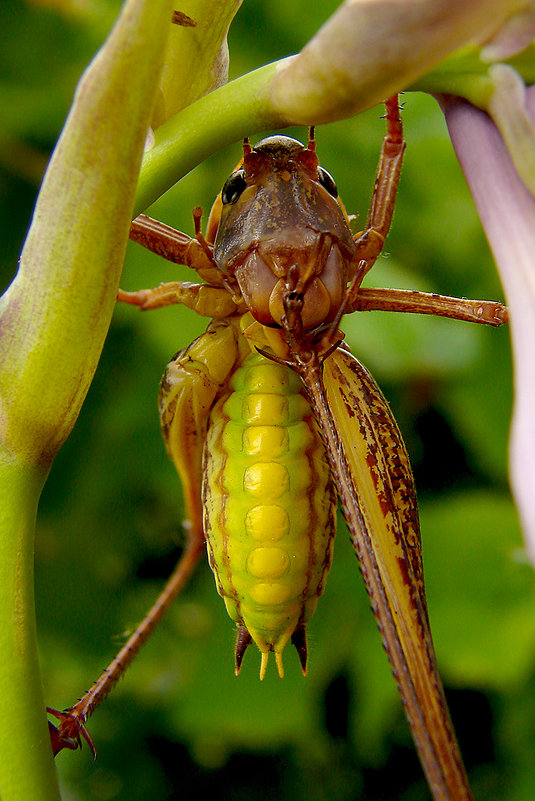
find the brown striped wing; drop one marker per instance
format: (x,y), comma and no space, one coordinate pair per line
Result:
(376,490)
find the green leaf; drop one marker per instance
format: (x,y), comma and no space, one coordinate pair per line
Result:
(480,589)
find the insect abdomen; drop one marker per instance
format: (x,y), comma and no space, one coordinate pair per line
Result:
(269,506)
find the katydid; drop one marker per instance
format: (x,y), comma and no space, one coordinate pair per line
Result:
(268,417)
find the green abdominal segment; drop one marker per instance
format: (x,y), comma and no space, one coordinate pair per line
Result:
(269,506)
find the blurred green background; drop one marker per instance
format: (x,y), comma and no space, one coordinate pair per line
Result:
(109,526)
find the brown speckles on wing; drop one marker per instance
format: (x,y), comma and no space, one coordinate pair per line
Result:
(378,454)
(375,485)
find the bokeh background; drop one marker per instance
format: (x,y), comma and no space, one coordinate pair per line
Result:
(109,529)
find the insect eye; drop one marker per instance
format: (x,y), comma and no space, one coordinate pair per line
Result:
(327,181)
(233,187)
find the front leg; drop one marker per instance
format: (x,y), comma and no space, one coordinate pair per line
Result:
(206,300)
(370,241)
(177,247)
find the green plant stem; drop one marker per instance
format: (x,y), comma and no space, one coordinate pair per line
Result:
(28,774)
(250,104)
(54,319)
(238,109)
(466,75)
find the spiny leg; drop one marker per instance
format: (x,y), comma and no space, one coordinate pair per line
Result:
(385,533)
(391,571)
(180,248)
(177,247)
(167,294)
(370,242)
(160,238)
(488,312)
(206,300)
(73,719)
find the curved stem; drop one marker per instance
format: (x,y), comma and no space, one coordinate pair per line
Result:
(226,115)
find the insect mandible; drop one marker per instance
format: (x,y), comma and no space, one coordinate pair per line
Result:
(268,417)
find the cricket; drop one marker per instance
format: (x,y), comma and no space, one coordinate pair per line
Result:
(270,421)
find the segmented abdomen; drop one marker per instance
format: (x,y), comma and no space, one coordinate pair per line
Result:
(269,505)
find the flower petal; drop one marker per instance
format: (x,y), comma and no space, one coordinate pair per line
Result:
(507,211)
(507,107)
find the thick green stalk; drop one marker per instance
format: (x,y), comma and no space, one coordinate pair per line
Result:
(27,770)
(238,109)
(54,319)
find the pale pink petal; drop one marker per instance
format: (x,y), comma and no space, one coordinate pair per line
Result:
(507,211)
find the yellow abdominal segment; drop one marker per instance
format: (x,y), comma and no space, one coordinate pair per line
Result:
(269,508)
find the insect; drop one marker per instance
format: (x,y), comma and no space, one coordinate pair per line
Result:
(268,417)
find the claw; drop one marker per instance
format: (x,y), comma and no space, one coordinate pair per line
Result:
(60,741)
(70,731)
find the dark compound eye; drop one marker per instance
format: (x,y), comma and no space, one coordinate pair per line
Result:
(327,181)
(233,187)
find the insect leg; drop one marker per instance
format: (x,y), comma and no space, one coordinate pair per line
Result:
(73,719)
(376,490)
(188,390)
(189,387)
(175,246)
(374,481)
(206,300)
(370,242)
(407,300)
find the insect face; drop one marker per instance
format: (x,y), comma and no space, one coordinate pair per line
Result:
(282,229)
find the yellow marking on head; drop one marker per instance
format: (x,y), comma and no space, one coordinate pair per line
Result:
(266,480)
(268,563)
(267,522)
(270,594)
(269,442)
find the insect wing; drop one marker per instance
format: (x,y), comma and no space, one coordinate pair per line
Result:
(382,477)
(383,521)
(189,387)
